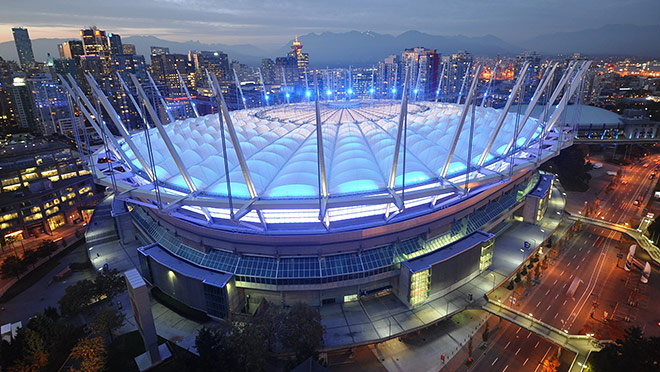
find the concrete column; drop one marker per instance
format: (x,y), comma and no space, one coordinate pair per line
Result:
(125,227)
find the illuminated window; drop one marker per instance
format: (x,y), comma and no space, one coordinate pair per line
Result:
(350,298)
(420,286)
(8,216)
(33,217)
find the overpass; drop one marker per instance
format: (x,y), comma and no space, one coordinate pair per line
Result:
(581,345)
(641,239)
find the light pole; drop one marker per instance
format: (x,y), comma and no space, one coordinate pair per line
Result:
(493,280)
(532,316)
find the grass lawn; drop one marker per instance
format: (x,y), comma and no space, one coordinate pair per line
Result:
(123,350)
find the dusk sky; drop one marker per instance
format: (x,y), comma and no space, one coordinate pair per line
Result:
(272,23)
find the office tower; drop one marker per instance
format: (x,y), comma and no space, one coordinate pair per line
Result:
(7,119)
(302,59)
(95,42)
(286,70)
(157,51)
(164,68)
(51,108)
(268,70)
(455,73)
(388,76)
(71,49)
(23,106)
(114,44)
(65,66)
(23,47)
(423,71)
(127,64)
(214,62)
(129,49)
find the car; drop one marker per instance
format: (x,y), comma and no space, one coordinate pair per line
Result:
(636,203)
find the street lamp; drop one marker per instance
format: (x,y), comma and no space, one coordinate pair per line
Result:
(532,316)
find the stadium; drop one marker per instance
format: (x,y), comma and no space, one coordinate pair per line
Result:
(328,201)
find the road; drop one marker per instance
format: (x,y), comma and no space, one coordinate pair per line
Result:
(590,258)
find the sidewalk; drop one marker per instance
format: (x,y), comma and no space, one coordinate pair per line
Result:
(104,247)
(68,236)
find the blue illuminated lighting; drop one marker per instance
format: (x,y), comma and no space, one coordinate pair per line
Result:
(371,90)
(415,91)
(328,92)
(288,95)
(350,91)
(267,97)
(393,90)
(243,99)
(308,93)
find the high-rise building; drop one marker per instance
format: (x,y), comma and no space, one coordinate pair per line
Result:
(129,49)
(114,44)
(534,72)
(7,119)
(157,51)
(388,77)
(459,64)
(23,105)
(127,64)
(95,42)
(164,68)
(214,62)
(286,71)
(71,49)
(51,108)
(268,71)
(423,65)
(302,59)
(23,47)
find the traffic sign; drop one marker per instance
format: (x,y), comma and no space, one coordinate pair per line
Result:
(527,245)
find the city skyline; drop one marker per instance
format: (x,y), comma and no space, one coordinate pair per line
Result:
(269,25)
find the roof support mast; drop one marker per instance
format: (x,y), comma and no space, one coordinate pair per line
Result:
(160,97)
(320,157)
(467,73)
(240,90)
(118,123)
(128,93)
(403,116)
(166,138)
(245,209)
(547,77)
(565,98)
(185,88)
(505,111)
(459,129)
(490,84)
(442,74)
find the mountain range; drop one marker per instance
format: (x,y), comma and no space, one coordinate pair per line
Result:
(366,48)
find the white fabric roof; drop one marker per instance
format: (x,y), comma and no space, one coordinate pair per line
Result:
(282,157)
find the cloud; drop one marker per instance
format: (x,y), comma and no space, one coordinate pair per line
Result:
(266,22)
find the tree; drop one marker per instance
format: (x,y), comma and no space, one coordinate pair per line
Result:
(51,312)
(12,266)
(551,364)
(46,247)
(34,354)
(91,354)
(30,257)
(484,336)
(109,283)
(77,297)
(269,318)
(470,346)
(106,322)
(633,353)
(302,331)
(207,343)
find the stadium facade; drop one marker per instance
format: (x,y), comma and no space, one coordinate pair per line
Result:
(327,201)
